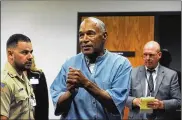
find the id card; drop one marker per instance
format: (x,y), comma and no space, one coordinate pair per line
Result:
(34,81)
(33,101)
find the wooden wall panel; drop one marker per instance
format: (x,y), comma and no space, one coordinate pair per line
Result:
(128,33)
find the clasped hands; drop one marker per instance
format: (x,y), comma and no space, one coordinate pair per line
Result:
(156,104)
(75,79)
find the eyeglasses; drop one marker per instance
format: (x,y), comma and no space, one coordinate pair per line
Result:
(145,55)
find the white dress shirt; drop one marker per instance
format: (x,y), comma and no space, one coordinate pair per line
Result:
(154,75)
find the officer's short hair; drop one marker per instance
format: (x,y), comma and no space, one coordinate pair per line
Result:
(15,38)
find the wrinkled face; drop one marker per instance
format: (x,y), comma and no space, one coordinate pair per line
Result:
(91,38)
(151,57)
(21,56)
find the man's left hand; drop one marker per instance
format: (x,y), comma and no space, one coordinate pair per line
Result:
(75,77)
(156,104)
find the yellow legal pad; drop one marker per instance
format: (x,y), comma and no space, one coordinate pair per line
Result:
(143,105)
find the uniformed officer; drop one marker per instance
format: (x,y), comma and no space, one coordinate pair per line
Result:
(17,97)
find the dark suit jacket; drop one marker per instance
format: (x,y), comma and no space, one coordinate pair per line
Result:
(167,89)
(41,95)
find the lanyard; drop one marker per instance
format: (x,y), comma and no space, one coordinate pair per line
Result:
(150,89)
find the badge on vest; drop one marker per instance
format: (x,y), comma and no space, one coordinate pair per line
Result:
(32,101)
(34,81)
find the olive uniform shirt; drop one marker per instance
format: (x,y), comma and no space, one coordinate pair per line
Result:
(17,97)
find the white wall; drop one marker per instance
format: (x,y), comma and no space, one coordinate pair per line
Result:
(52,27)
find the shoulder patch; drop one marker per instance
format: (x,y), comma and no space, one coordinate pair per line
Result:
(2,85)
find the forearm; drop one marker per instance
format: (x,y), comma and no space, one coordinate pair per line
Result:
(129,102)
(64,102)
(171,104)
(101,95)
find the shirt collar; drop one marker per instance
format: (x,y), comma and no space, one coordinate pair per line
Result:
(99,58)
(156,68)
(12,72)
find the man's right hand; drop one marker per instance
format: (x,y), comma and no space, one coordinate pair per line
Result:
(71,87)
(3,117)
(136,102)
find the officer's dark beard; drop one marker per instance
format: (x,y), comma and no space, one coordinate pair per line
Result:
(20,67)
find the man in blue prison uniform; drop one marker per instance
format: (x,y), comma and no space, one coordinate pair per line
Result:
(95,83)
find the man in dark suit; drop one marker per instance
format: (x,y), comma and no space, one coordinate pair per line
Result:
(153,79)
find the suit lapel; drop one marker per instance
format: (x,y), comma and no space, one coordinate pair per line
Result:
(141,78)
(159,79)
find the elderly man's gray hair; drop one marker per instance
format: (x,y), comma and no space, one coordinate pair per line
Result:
(100,24)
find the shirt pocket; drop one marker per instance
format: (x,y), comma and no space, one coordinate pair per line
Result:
(22,101)
(21,96)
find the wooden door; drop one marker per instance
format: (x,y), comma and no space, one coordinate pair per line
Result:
(128,33)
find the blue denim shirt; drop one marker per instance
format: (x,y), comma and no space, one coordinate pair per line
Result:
(111,73)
